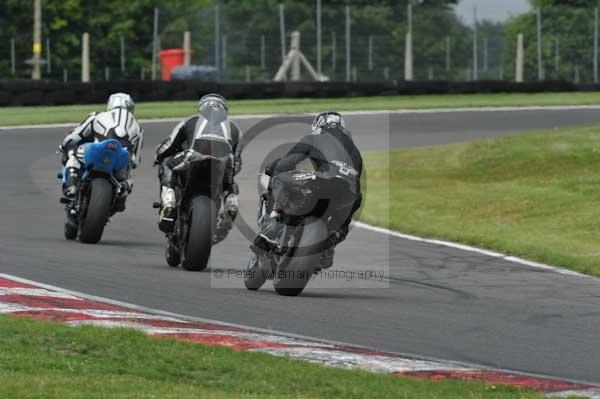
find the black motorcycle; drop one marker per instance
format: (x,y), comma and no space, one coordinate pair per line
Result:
(200,195)
(312,203)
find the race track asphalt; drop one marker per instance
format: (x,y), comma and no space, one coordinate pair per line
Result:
(438,302)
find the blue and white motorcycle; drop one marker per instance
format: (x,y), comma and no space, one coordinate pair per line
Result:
(99,191)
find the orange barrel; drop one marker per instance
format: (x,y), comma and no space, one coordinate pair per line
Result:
(170,59)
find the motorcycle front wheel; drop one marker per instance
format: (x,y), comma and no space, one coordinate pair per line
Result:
(203,222)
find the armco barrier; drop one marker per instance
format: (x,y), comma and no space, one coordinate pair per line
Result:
(27,92)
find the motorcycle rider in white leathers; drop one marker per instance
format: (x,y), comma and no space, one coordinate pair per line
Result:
(117,122)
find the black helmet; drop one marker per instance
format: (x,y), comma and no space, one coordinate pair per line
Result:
(212,100)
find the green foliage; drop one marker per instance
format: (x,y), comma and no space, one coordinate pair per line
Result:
(569,3)
(45,360)
(247,20)
(243,24)
(533,195)
(571,28)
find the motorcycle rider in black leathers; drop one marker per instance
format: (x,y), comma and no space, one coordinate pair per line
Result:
(117,122)
(173,150)
(330,148)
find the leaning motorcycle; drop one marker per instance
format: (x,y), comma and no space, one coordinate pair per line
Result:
(306,226)
(199,197)
(98,193)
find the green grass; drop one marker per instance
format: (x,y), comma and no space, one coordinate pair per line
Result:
(44,360)
(534,195)
(10,116)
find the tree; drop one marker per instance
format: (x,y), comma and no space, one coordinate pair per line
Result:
(566,25)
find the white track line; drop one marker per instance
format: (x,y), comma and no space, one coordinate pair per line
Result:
(350,113)
(469,248)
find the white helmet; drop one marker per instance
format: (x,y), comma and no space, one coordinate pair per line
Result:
(120,100)
(327,119)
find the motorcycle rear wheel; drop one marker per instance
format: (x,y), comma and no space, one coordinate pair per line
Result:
(298,266)
(202,226)
(98,211)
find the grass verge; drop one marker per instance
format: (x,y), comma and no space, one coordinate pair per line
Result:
(535,195)
(11,116)
(44,360)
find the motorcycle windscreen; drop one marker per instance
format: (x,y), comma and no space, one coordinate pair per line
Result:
(214,126)
(212,138)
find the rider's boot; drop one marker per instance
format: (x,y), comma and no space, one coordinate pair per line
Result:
(230,204)
(271,226)
(327,257)
(168,211)
(72,182)
(226,218)
(126,188)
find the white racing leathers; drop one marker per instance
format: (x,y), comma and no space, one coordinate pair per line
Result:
(118,124)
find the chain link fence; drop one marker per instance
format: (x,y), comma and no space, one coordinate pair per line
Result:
(244,41)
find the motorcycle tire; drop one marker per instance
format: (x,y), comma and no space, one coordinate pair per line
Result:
(203,222)
(298,266)
(98,211)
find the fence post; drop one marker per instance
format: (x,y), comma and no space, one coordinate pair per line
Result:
(520,59)
(13,60)
(448,54)
(48,58)
(224,52)
(557,57)
(263,52)
(595,45)
(539,44)
(295,47)
(370,52)
(218,38)
(36,73)
(485,54)
(408,51)
(155,44)
(122,40)
(319,70)
(282,31)
(348,45)
(475,49)
(186,48)
(333,53)
(85,58)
